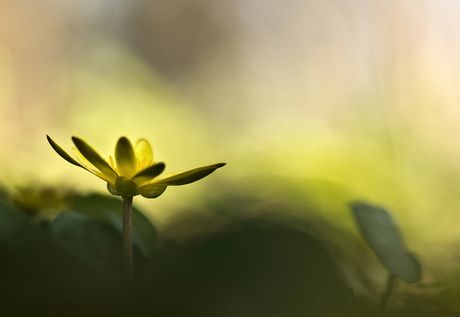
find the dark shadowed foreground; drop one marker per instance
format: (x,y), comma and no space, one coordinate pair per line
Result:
(72,267)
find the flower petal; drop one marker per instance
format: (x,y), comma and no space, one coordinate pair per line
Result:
(124,156)
(143,151)
(83,161)
(186,177)
(91,155)
(152,191)
(62,153)
(148,173)
(87,165)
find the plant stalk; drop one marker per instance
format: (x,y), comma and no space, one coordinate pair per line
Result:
(386,296)
(128,238)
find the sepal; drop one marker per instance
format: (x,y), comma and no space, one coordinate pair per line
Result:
(126,187)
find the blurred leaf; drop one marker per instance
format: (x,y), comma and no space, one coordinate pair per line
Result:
(110,210)
(95,243)
(11,222)
(18,231)
(117,223)
(43,203)
(36,274)
(383,236)
(251,268)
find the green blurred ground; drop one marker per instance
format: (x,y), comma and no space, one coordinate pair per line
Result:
(228,259)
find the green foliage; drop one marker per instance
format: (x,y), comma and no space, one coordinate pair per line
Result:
(37,275)
(383,236)
(12,224)
(95,243)
(249,268)
(108,209)
(264,265)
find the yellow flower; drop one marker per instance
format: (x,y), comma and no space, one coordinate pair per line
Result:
(133,170)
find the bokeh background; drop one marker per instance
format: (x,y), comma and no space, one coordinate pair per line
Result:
(311,104)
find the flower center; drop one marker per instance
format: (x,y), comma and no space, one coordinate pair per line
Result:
(140,164)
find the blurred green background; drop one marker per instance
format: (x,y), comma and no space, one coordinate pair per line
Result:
(311,104)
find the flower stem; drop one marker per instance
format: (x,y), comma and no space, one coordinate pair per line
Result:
(128,238)
(386,296)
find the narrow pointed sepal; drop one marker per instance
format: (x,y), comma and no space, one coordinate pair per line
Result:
(126,187)
(187,177)
(151,191)
(63,153)
(91,155)
(112,189)
(148,173)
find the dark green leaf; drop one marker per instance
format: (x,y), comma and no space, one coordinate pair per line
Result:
(383,236)
(11,222)
(108,209)
(95,243)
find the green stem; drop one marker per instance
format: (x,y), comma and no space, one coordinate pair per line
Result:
(128,238)
(386,296)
